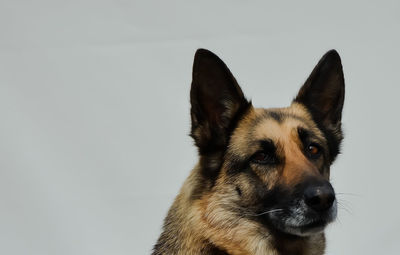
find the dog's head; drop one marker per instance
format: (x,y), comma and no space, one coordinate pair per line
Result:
(266,169)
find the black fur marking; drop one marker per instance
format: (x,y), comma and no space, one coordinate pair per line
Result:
(236,165)
(333,141)
(239,191)
(216,251)
(268,146)
(276,116)
(303,134)
(268,152)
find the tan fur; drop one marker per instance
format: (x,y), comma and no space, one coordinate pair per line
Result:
(213,224)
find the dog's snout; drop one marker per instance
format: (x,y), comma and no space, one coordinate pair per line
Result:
(319,197)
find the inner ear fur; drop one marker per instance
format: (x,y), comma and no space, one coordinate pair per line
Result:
(216,102)
(323,95)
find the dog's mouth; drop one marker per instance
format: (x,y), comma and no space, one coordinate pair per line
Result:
(300,220)
(315,226)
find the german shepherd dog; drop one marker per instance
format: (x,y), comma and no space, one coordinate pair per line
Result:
(261,185)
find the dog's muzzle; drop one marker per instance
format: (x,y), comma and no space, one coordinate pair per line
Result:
(309,212)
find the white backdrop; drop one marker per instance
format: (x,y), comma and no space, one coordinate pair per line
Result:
(94,110)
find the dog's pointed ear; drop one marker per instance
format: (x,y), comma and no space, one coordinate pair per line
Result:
(323,94)
(216,102)
(323,91)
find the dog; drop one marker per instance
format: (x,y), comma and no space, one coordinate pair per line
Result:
(261,185)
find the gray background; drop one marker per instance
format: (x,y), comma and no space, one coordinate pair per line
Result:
(94,112)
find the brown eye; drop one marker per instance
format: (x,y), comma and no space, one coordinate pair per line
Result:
(313,150)
(262,157)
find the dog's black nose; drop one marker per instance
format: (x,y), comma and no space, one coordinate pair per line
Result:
(319,197)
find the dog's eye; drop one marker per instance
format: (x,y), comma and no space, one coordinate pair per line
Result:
(263,157)
(313,150)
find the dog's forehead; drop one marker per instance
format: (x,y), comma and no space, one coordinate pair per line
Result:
(274,124)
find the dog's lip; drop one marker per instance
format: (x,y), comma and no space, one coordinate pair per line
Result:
(315,225)
(312,226)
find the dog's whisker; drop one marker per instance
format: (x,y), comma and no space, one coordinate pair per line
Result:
(263,213)
(270,211)
(344,207)
(343,202)
(246,212)
(338,221)
(348,194)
